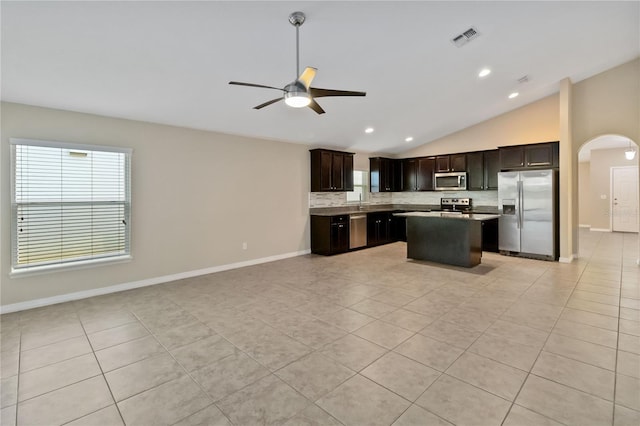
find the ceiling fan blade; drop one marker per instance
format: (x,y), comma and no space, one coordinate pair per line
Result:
(272,101)
(239,83)
(319,93)
(317,108)
(307,76)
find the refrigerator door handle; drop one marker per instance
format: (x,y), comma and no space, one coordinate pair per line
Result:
(519,212)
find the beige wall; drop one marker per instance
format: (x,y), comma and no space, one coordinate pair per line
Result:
(600,177)
(584,192)
(536,122)
(196,196)
(607,103)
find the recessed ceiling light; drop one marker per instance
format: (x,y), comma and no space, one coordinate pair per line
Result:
(484,72)
(408,139)
(513,95)
(368,130)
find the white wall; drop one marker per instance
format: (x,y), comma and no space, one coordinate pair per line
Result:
(196,196)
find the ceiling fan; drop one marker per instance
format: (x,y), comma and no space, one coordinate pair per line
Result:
(299,93)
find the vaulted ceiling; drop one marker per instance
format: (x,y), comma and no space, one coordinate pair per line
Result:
(170,62)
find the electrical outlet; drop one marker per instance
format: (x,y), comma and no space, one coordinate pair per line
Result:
(603,196)
(244,246)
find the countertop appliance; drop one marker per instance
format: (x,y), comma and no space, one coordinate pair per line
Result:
(455,204)
(357,231)
(528,208)
(454,181)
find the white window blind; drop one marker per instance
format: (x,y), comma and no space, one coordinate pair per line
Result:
(71,203)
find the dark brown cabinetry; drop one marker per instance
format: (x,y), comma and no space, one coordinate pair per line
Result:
(384,174)
(331,170)
(490,235)
(458,162)
(329,234)
(379,228)
(424,175)
(409,168)
(417,174)
(491,169)
(451,163)
(511,157)
(475,171)
(482,170)
(540,155)
(442,163)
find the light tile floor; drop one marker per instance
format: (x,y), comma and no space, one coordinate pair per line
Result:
(365,338)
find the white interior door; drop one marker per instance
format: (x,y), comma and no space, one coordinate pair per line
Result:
(624,194)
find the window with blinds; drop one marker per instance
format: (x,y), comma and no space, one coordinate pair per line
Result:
(71,204)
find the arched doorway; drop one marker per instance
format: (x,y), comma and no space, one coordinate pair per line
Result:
(608,188)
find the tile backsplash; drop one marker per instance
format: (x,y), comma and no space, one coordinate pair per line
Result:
(478,198)
(338,199)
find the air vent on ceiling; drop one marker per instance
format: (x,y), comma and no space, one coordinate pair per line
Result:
(464,38)
(524,79)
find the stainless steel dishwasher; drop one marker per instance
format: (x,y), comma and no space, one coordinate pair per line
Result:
(358,230)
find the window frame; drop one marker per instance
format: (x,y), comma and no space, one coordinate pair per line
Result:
(364,186)
(78,262)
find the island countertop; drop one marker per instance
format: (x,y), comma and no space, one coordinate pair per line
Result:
(450,215)
(375,208)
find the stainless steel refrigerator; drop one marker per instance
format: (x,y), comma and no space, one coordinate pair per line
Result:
(528,206)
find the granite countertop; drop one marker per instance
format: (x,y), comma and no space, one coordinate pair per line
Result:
(451,215)
(373,208)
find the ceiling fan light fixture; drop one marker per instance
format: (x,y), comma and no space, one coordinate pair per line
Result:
(297,99)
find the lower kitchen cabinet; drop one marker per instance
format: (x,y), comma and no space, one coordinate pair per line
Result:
(399,226)
(329,234)
(490,235)
(379,228)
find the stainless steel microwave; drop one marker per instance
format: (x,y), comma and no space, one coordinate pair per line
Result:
(455,181)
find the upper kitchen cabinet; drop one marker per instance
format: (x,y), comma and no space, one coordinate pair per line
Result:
(331,170)
(426,166)
(475,171)
(409,168)
(451,163)
(511,157)
(491,169)
(482,170)
(384,174)
(540,155)
(417,174)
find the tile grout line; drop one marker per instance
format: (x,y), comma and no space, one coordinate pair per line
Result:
(115,403)
(615,372)
(18,373)
(539,352)
(182,366)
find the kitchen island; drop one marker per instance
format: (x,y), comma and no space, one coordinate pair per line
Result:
(452,238)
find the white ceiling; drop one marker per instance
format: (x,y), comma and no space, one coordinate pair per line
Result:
(170,62)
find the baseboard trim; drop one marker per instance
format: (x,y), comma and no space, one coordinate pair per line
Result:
(582,225)
(601,229)
(566,259)
(46,301)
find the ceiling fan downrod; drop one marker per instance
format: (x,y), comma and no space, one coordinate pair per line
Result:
(296,19)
